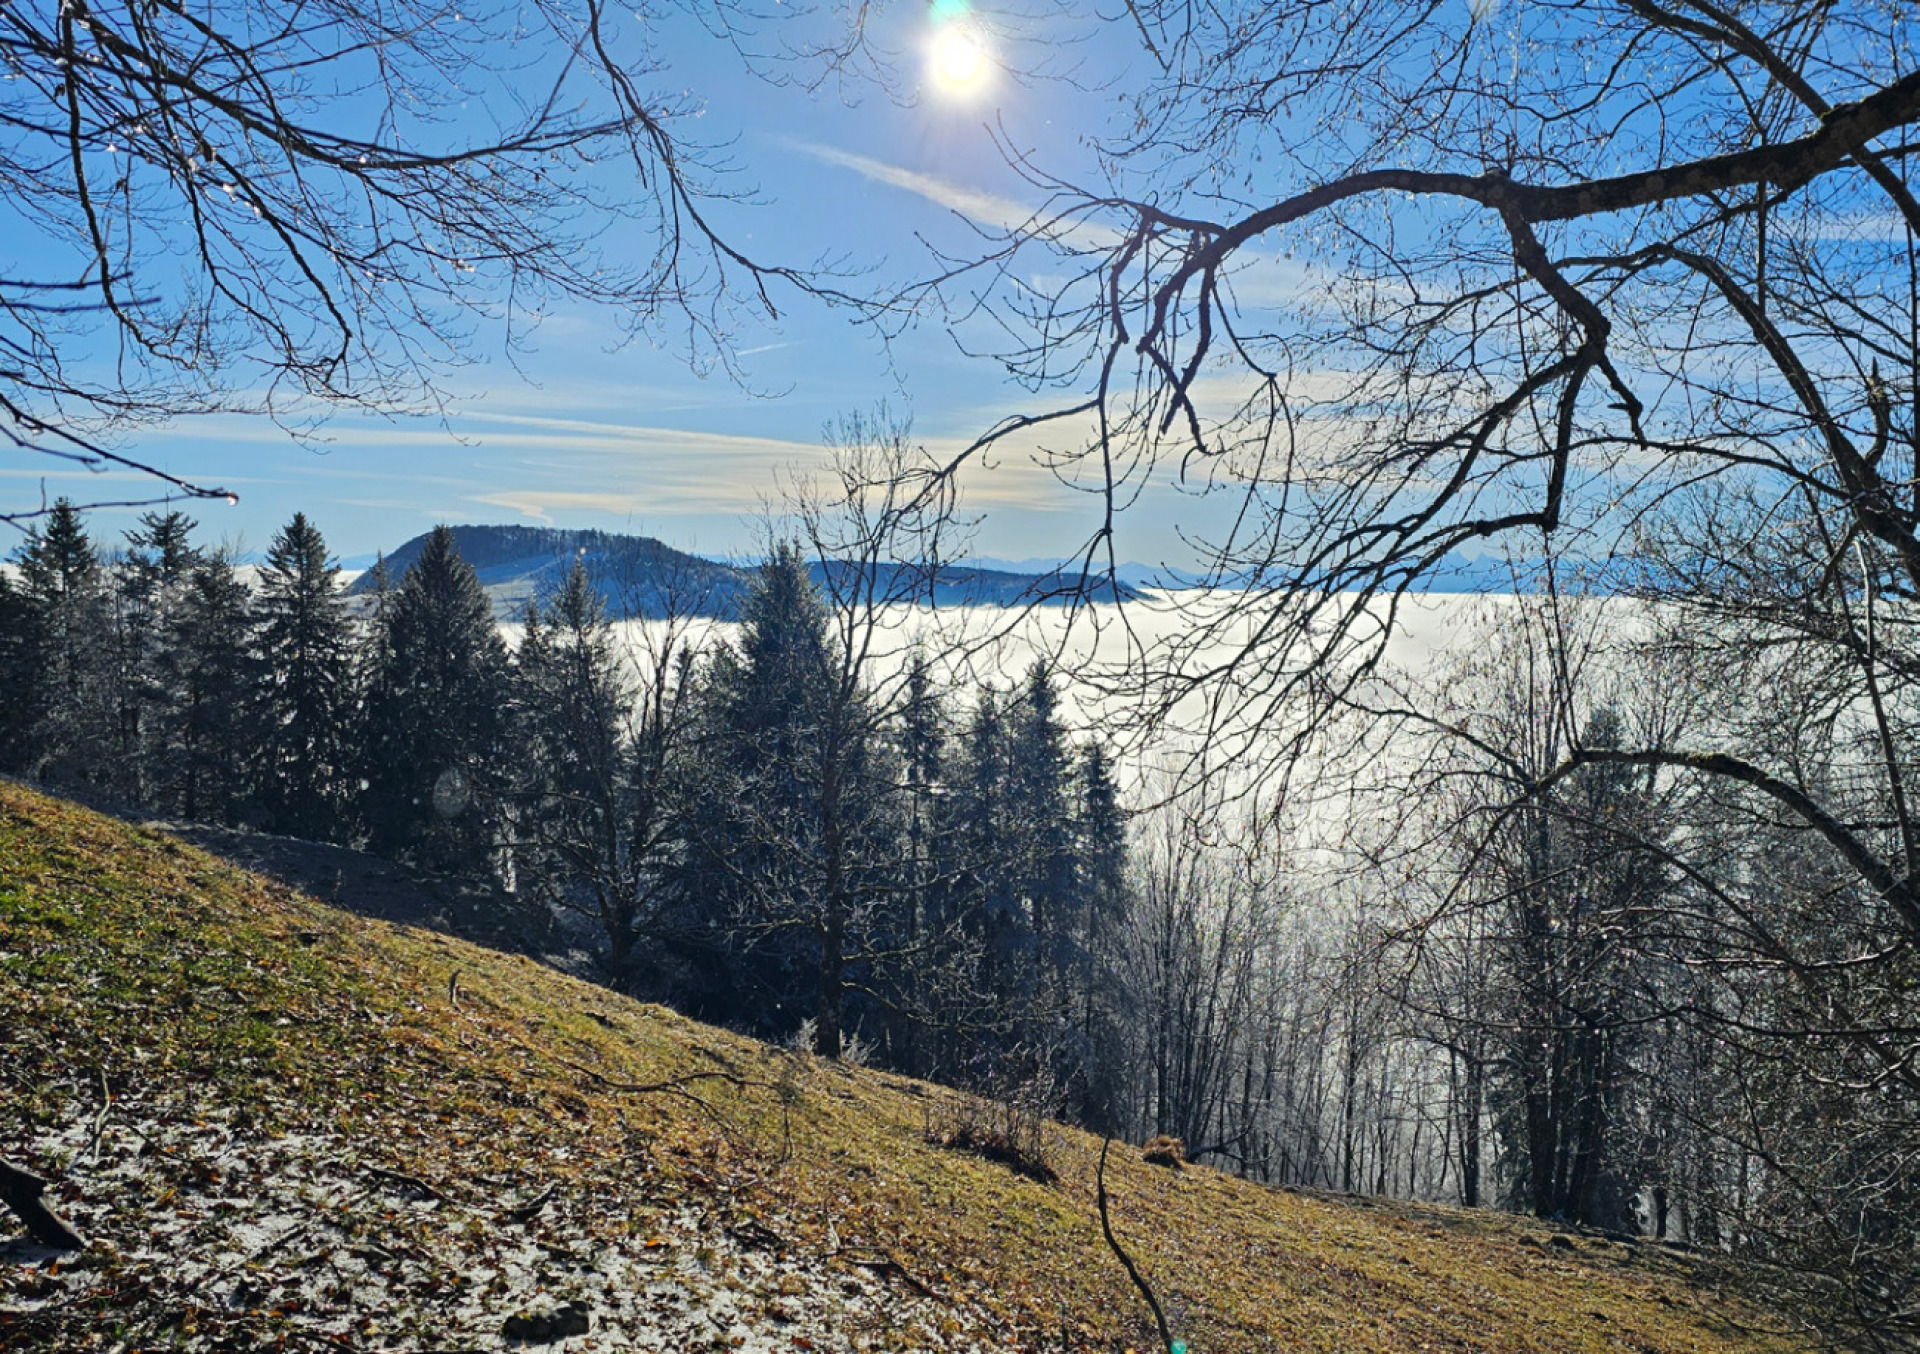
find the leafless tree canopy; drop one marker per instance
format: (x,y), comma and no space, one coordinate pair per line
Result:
(287,206)
(1629,291)
(1403,282)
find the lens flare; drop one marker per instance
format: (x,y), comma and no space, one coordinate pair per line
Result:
(957,59)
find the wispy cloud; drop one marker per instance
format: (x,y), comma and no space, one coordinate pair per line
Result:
(1888,227)
(1267,281)
(585,465)
(593,430)
(66,470)
(986,209)
(541,504)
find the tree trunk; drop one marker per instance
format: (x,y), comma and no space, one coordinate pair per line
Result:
(826,1026)
(1470,1137)
(1540,1152)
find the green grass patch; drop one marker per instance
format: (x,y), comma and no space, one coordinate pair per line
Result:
(139,976)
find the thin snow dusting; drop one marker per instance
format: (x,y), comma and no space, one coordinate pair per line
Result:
(219,1221)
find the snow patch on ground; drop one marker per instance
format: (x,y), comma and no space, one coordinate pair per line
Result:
(204,1227)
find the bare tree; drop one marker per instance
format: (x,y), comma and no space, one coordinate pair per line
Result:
(1675,999)
(283,208)
(1633,286)
(1403,284)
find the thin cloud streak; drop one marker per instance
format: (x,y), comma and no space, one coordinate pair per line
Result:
(540,505)
(733,443)
(987,209)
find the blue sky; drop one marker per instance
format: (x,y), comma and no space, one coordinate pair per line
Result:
(576,430)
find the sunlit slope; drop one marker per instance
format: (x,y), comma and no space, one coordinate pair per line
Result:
(283,1125)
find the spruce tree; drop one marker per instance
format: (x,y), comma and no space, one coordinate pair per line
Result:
(435,718)
(1037,840)
(219,674)
(985,902)
(922,741)
(586,835)
(1040,793)
(937,982)
(752,828)
(20,644)
(304,650)
(154,578)
(66,622)
(791,835)
(161,547)
(1099,985)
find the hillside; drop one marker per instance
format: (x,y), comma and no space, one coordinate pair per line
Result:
(636,575)
(286,1126)
(639,577)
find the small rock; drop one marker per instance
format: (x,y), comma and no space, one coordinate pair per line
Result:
(549,1324)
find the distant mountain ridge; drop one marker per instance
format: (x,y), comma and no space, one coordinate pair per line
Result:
(643,578)
(638,576)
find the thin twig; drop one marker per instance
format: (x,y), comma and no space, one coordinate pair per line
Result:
(671,1086)
(525,1212)
(1113,1243)
(100,1119)
(413,1182)
(881,1262)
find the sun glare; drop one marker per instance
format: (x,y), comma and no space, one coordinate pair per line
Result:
(957,61)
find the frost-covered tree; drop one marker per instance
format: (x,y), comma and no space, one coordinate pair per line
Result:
(151,581)
(218,730)
(791,837)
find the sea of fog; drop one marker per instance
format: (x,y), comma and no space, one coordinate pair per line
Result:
(1098,651)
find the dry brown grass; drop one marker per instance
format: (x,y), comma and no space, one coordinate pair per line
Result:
(130,961)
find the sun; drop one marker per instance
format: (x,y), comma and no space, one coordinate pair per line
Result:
(958,63)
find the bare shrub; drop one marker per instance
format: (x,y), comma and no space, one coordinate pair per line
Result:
(1005,1122)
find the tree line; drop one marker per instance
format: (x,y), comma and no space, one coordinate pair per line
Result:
(745,828)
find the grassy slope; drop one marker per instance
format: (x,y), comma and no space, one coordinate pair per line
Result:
(211,1064)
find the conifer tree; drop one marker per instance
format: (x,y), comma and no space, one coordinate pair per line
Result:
(219,676)
(928,996)
(154,578)
(923,739)
(20,645)
(1040,793)
(1098,986)
(791,830)
(752,832)
(592,826)
(435,718)
(304,648)
(64,599)
(986,903)
(371,657)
